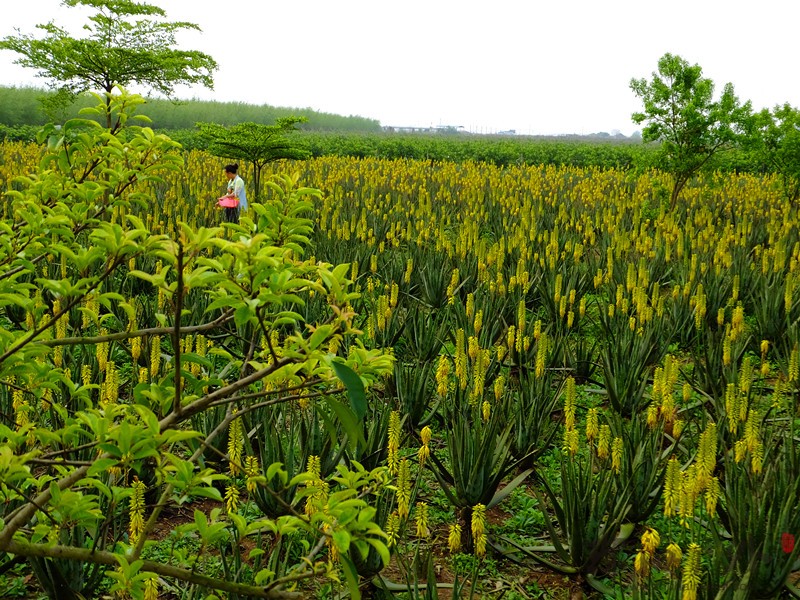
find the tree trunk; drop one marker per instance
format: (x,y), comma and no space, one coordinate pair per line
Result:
(680,183)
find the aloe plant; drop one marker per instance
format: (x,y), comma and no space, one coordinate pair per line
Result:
(587,516)
(480,459)
(759,510)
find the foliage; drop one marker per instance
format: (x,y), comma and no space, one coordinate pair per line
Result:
(20,106)
(258,144)
(500,290)
(84,442)
(776,141)
(126,43)
(680,112)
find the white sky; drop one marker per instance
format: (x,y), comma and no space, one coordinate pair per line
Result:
(540,67)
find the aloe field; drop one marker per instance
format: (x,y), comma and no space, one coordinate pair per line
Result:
(394,379)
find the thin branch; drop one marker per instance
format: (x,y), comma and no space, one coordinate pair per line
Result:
(108,558)
(201,404)
(44,327)
(125,335)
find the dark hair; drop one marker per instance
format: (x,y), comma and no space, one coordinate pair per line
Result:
(232,168)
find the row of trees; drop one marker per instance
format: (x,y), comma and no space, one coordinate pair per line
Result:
(26,106)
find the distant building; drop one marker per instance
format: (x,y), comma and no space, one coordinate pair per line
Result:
(437,129)
(403,129)
(507,132)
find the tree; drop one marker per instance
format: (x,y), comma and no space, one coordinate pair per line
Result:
(776,144)
(681,113)
(118,50)
(256,143)
(103,376)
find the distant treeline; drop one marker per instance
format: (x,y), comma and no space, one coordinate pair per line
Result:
(22,106)
(503,150)
(21,114)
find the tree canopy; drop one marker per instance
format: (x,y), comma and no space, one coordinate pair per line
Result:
(256,143)
(680,112)
(127,42)
(776,142)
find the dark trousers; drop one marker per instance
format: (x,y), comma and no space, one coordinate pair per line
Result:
(232,215)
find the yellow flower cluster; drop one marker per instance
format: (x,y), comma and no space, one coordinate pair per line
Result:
(136,511)
(479,528)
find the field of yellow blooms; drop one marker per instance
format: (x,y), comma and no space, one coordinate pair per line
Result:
(586,382)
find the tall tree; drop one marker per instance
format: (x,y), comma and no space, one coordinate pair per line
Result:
(127,42)
(255,143)
(681,113)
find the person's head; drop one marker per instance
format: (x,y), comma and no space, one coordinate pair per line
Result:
(231,170)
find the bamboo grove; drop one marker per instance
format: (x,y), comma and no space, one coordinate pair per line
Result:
(550,331)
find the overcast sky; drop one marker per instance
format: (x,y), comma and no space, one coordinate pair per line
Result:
(534,66)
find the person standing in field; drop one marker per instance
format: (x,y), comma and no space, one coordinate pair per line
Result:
(235,191)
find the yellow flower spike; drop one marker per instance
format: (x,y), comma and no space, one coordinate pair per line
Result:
(101,351)
(478,323)
(674,557)
(393,445)
(641,565)
(712,495)
(470,306)
(454,538)
(392,529)
(541,356)
(751,430)
(673,480)
(425,435)
(692,573)
(235,445)
(155,356)
(136,508)
(231,499)
(604,442)
(151,588)
(650,541)
(652,416)
(251,470)
(443,376)
(479,528)
(794,364)
(757,460)
(499,387)
(616,455)
(686,392)
(422,520)
(473,348)
(592,426)
(486,410)
(726,350)
(569,404)
(571,441)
